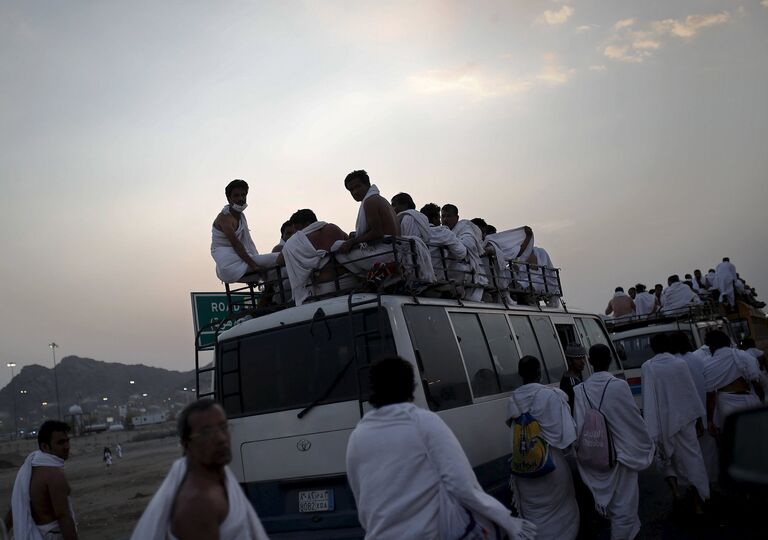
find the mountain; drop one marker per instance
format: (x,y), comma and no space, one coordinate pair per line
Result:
(87,382)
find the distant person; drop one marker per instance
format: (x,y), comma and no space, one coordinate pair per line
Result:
(709,279)
(40,506)
(621,305)
(286,231)
(725,278)
(470,235)
(700,281)
(119,450)
(231,244)
(107,457)
(658,290)
(615,489)
(645,302)
(672,410)
(731,381)
(548,501)
(306,253)
(410,476)
(412,223)
(200,497)
(678,295)
(576,357)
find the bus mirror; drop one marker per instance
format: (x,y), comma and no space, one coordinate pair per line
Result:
(743,447)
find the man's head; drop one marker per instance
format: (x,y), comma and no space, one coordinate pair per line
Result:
(302,218)
(490,229)
(529,369)
(449,215)
(600,357)
(204,434)
(632,292)
(402,202)
(576,357)
(357,183)
(390,381)
(286,230)
(640,288)
(237,193)
(660,343)
(716,339)
(674,278)
(432,211)
(680,343)
(658,288)
(53,438)
(618,289)
(726,259)
(711,271)
(481,224)
(697,273)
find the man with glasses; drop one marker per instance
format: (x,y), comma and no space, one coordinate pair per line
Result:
(200,497)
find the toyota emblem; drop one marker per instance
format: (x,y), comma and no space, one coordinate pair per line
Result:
(303,445)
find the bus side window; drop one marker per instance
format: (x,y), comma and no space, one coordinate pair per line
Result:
(527,340)
(474,349)
(552,354)
(442,372)
(503,349)
(595,334)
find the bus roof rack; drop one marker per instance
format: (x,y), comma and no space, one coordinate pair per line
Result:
(705,311)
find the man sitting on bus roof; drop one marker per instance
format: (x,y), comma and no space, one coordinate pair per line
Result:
(725,276)
(645,302)
(412,223)
(621,305)
(409,474)
(231,245)
(376,220)
(307,251)
(677,295)
(446,250)
(413,226)
(286,231)
(470,235)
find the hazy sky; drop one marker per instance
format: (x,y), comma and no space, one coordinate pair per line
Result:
(633,137)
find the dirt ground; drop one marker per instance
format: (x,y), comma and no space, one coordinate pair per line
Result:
(108,502)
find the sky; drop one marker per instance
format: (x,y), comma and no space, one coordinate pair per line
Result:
(630,135)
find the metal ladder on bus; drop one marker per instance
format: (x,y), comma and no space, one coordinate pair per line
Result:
(366,335)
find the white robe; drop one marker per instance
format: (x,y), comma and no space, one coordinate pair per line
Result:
(678,296)
(671,406)
(241,522)
(361,226)
(229,266)
(707,442)
(548,501)
(24,526)
(720,370)
(644,303)
(411,479)
(441,238)
(301,259)
(616,492)
(725,275)
(470,235)
(414,223)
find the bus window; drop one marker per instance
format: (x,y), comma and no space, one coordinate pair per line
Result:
(503,350)
(474,349)
(442,372)
(552,354)
(527,339)
(567,335)
(290,367)
(593,333)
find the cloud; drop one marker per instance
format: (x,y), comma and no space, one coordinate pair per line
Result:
(630,43)
(552,17)
(477,83)
(597,67)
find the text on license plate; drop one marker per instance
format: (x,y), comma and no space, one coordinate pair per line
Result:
(319,500)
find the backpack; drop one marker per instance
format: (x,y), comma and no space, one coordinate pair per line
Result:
(531,457)
(595,448)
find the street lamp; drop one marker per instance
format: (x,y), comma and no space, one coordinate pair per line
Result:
(53,346)
(13,381)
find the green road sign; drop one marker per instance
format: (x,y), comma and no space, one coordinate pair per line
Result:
(208,310)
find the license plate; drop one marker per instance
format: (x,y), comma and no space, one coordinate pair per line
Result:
(319,500)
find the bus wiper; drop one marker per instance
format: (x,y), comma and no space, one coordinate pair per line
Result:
(328,391)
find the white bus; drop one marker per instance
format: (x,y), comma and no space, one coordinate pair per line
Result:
(294,385)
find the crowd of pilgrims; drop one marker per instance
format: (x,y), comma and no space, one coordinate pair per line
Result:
(721,285)
(435,247)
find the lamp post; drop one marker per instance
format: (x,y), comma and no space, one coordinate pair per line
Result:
(13,389)
(53,346)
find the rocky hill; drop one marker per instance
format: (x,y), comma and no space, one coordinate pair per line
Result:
(87,382)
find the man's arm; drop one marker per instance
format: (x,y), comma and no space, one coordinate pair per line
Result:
(228,225)
(373,220)
(58,490)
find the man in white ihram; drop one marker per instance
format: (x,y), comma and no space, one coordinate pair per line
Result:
(40,508)
(672,410)
(446,250)
(548,501)
(645,302)
(725,276)
(231,245)
(616,491)
(200,498)
(471,236)
(410,476)
(678,295)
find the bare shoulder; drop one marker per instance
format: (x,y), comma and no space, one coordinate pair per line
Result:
(223,220)
(52,477)
(375,202)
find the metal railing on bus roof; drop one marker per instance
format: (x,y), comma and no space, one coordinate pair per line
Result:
(706,311)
